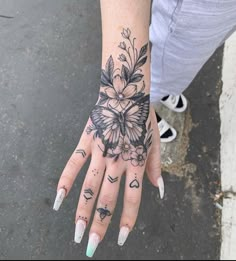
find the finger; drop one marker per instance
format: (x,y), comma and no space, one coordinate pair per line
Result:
(105,207)
(89,194)
(153,167)
(132,200)
(73,166)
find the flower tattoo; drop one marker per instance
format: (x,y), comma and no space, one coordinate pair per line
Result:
(120,95)
(138,157)
(120,117)
(124,148)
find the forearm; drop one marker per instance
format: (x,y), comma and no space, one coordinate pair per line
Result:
(126,51)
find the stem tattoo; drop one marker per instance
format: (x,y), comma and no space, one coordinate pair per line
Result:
(120,117)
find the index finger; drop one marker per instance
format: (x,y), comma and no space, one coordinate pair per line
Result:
(72,168)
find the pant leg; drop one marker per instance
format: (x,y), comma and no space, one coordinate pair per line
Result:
(184,34)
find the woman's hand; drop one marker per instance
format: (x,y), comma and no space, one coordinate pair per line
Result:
(106,173)
(121,137)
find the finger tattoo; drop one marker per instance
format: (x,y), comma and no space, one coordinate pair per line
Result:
(103,213)
(135,183)
(112,180)
(88,194)
(95,172)
(83,218)
(82,152)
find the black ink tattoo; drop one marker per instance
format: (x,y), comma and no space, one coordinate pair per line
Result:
(135,183)
(88,194)
(104,212)
(120,117)
(82,152)
(84,219)
(112,180)
(95,172)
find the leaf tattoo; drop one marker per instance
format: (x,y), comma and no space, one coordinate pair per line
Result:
(143,51)
(120,117)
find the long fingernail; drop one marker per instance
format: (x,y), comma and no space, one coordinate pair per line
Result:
(123,235)
(79,231)
(161,185)
(94,240)
(59,199)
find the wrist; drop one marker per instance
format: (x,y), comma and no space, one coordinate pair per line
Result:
(126,75)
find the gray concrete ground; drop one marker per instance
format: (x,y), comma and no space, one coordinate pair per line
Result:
(49,74)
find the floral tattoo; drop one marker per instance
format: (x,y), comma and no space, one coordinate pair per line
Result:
(120,117)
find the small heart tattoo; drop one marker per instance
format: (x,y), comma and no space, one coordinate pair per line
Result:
(134,184)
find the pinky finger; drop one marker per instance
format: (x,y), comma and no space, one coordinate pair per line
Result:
(132,199)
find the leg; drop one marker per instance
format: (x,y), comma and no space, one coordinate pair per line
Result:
(184,34)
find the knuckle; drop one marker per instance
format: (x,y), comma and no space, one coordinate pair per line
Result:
(133,200)
(73,162)
(112,168)
(89,183)
(99,223)
(66,179)
(153,168)
(115,167)
(107,200)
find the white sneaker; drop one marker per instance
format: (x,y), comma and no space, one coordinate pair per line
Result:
(167,133)
(172,102)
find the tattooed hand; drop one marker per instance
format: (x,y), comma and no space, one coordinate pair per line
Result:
(122,137)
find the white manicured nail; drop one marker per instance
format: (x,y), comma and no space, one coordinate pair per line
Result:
(79,231)
(94,240)
(123,235)
(161,185)
(61,194)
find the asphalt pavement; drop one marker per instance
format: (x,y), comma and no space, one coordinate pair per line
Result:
(50,53)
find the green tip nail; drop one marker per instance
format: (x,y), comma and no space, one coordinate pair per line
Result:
(90,252)
(94,240)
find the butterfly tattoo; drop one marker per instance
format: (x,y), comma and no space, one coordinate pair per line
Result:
(111,124)
(120,117)
(103,213)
